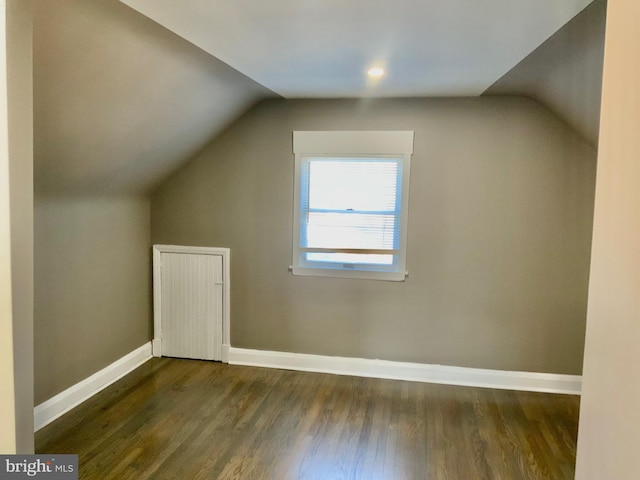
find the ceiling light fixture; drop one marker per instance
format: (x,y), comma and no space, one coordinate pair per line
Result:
(375,72)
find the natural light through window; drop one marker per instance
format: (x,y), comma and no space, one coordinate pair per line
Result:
(350,207)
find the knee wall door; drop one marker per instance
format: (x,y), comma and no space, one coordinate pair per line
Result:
(191,305)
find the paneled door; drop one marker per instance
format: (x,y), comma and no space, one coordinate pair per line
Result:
(190,303)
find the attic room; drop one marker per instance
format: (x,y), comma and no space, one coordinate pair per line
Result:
(159,124)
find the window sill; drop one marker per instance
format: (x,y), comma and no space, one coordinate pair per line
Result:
(352,274)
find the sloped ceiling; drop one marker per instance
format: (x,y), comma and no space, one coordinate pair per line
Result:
(322,48)
(565,73)
(120,101)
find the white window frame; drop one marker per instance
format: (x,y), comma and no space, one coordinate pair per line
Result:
(396,144)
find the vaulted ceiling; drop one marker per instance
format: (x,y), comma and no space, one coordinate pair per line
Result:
(565,73)
(126,91)
(119,101)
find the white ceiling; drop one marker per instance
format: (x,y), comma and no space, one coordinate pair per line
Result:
(322,48)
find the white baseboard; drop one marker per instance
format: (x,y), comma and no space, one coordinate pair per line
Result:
(416,372)
(60,404)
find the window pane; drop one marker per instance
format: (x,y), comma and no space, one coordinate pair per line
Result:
(350,230)
(349,210)
(353,184)
(351,258)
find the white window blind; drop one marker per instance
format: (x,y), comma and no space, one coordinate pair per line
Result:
(350,209)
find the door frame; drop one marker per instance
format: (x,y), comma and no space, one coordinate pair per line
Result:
(158,250)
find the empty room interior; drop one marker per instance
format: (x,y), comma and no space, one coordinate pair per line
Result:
(483,329)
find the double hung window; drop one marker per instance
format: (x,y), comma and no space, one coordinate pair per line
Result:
(350,206)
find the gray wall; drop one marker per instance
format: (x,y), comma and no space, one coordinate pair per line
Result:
(92,286)
(119,102)
(500,221)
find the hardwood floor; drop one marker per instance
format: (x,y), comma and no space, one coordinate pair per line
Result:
(189,420)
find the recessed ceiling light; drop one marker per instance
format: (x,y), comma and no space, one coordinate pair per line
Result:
(375,72)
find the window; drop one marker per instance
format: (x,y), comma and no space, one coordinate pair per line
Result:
(350,206)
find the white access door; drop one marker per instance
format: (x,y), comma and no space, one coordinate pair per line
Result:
(191,305)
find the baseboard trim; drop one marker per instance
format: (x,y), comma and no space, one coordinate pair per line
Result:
(60,404)
(416,372)
(56,406)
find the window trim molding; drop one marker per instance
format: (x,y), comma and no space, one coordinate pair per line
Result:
(352,143)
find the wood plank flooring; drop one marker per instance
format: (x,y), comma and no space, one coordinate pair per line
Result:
(190,420)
